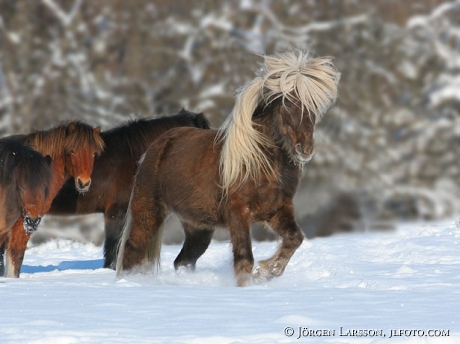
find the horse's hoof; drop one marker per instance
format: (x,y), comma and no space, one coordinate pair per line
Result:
(244,280)
(261,275)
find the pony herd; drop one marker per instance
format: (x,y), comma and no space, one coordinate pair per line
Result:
(245,172)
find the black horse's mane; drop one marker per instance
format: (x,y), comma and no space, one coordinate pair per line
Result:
(137,134)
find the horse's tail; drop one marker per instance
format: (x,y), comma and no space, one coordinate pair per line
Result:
(143,258)
(122,241)
(152,257)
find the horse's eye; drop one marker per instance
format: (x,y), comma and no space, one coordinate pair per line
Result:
(72,152)
(94,155)
(287,103)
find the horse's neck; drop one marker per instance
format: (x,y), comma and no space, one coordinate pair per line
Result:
(59,176)
(49,142)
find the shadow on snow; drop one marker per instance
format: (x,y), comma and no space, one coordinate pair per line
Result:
(68,265)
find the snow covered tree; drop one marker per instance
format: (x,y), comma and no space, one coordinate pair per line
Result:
(389,147)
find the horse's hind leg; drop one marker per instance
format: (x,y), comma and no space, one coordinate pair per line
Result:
(3,242)
(140,244)
(141,248)
(16,249)
(113,228)
(196,243)
(285,225)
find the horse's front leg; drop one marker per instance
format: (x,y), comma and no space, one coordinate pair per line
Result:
(3,243)
(243,260)
(2,261)
(16,249)
(114,220)
(285,225)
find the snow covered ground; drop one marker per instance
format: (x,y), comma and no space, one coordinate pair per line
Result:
(361,288)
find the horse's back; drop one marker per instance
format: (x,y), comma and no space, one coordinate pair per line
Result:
(186,152)
(115,169)
(183,167)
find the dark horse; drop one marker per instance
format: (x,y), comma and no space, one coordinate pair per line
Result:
(72,148)
(246,172)
(25,177)
(114,172)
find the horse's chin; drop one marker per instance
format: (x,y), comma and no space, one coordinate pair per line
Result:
(30,229)
(31,225)
(303,158)
(82,187)
(82,190)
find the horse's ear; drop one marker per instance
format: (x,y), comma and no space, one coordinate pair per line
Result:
(71,128)
(97,130)
(48,159)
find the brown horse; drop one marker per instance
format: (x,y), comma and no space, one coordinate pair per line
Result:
(246,172)
(72,148)
(114,172)
(25,177)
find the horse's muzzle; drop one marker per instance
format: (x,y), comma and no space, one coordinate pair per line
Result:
(31,225)
(303,157)
(81,186)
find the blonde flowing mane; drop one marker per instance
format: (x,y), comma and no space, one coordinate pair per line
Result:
(293,75)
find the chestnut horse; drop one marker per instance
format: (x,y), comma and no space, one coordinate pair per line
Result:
(114,172)
(72,148)
(246,172)
(25,177)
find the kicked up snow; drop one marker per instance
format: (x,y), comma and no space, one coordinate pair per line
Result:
(400,287)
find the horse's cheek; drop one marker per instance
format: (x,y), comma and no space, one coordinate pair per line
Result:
(292,136)
(71,163)
(282,127)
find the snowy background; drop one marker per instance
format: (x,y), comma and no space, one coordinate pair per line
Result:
(407,280)
(386,171)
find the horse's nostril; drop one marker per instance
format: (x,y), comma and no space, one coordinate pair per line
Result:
(81,183)
(308,149)
(33,222)
(83,186)
(298,148)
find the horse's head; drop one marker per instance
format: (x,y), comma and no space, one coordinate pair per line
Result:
(294,127)
(82,144)
(300,89)
(33,186)
(25,176)
(33,206)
